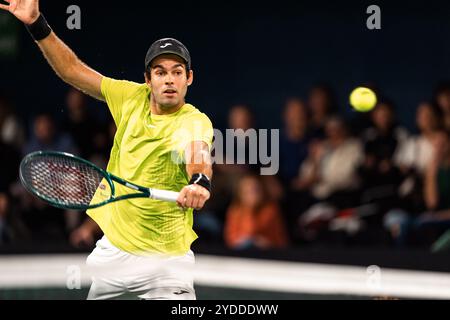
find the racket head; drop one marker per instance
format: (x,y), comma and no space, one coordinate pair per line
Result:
(65,181)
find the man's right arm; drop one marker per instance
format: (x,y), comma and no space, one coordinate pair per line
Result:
(70,68)
(62,59)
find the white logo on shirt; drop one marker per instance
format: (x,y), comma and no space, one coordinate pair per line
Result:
(149,125)
(165,45)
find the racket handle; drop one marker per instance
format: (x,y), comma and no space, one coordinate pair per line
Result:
(164,195)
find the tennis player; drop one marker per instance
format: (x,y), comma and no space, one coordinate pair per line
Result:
(161,142)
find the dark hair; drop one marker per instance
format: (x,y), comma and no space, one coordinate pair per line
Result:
(246,109)
(441,87)
(332,106)
(295,99)
(237,195)
(149,68)
(436,111)
(45,114)
(341,121)
(389,104)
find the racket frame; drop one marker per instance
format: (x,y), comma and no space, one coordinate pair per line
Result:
(144,192)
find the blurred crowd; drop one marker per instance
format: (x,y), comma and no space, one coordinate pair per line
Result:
(362,179)
(25,219)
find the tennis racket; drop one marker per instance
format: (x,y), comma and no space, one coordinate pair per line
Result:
(69,182)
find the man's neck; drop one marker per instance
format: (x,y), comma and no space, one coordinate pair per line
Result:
(159,110)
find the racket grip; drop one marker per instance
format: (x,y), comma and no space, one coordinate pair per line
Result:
(164,195)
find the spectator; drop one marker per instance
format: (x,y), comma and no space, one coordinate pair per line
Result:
(241,120)
(46,138)
(44,222)
(80,125)
(322,105)
(417,151)
(253,221)
(246,153)
(9,171)
(102,142)
(9,168)
(209,222)
(442,100)
(330,173)
(4,206)
(331,164)
(406,226)
(240,117)
(414,156)
(295,138)
(413,159)
(11,130)
(379,172)
(294,143)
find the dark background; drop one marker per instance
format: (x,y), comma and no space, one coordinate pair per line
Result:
(250,52)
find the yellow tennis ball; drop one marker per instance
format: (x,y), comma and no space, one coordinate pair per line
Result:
(363,99)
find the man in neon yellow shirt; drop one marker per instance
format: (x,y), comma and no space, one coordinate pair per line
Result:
(162,142)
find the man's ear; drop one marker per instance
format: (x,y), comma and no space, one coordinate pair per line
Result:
(147,78)
(190,78)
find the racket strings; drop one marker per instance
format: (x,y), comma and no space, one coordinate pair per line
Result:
(62,180)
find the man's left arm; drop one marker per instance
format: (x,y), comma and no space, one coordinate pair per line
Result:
(199,169)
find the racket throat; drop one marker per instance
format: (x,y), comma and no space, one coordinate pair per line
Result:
(146,191)
(132,186)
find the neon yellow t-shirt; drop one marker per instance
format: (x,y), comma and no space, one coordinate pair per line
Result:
(148,150)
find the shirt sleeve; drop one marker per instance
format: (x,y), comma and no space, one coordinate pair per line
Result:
(115,93)
(197,127)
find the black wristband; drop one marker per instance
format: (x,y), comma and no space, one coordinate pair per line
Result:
(202,180)
(39,29)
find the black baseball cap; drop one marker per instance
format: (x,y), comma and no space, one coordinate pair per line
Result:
(167,46)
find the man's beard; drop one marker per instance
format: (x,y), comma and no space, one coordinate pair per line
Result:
(168,103)
(167,106)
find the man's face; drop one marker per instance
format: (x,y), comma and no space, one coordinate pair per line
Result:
(169,81)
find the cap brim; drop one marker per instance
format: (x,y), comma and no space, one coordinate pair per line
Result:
(165,52)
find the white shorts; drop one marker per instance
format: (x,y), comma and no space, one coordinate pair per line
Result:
(121,275)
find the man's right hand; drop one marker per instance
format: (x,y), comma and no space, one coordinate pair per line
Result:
(26,11)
